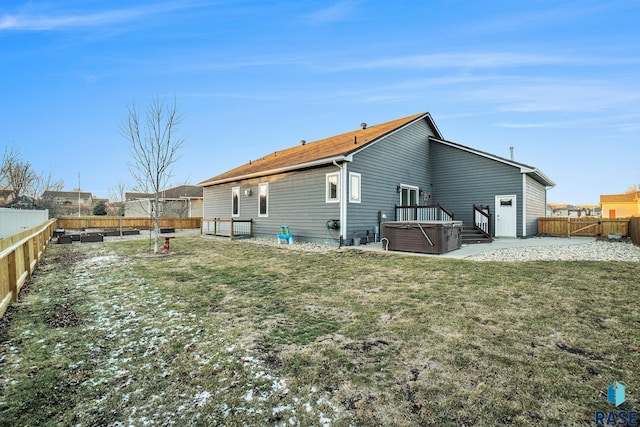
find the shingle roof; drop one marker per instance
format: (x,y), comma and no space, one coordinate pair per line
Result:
(192,191)
(129,196)
(314,152)
(182,191)
(633,196)
(66,194)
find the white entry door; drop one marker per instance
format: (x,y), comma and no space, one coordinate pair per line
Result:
(506,214)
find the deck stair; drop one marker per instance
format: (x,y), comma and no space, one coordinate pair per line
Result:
(471,235)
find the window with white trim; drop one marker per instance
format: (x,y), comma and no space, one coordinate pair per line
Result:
(333,187)
(263,199)
(408,195)
(354,187)
(235,201)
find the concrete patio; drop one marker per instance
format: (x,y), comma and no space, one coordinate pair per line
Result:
(500,243)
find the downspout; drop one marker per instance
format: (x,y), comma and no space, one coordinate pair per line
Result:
(343,199)
(524,205)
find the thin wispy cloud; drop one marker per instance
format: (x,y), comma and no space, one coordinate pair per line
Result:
(336,12)
(609,122)
(478,60)
(562,94)
(43,22)
(534,125)
(518,20)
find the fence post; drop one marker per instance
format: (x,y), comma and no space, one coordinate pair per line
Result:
(26,253)
(13,276)
(568,226)
(232,230)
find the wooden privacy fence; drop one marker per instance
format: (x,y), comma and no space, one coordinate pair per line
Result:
(582,227)
(634,230)
(82,222)
(19,257)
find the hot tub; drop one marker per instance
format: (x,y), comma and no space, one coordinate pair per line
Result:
(427,237)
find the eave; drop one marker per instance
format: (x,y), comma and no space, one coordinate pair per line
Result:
(290,168)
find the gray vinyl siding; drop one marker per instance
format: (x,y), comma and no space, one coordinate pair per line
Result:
(536,195)
(400,158)
(461,179)
(296,199)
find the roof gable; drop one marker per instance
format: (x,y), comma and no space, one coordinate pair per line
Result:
(530,170)
(318,152)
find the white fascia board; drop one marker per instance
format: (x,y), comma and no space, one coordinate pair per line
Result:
(328,160)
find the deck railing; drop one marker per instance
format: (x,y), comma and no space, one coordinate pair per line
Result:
(482,219)
(423,213)
(228,227)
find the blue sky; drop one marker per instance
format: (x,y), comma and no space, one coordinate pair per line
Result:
(557,80)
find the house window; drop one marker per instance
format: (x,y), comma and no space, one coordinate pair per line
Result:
(354,187)
(263,199)
(235,201)
(408,195)
(333,183)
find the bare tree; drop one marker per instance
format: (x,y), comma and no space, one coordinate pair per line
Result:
(117,198)
(117,192)
(633,188)
(16,175)
(154,149)
(42,183)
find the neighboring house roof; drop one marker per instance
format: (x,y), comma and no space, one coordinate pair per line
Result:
(324,151)
(630,197)
(179,192)
(189,191)
(136,196)
(66,194)
(529,170)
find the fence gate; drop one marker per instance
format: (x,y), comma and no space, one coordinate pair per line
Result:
(582,227)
